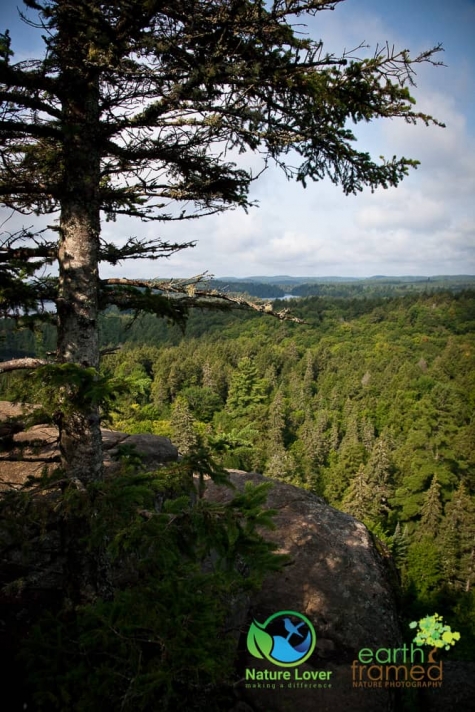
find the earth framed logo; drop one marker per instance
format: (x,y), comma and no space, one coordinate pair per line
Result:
(286,639)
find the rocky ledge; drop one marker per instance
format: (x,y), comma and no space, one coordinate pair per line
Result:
(26,452)
(339,580)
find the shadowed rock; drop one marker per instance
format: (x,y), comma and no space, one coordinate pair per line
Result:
(338,579)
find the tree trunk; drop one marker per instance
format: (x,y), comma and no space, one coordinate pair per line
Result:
(77,305)
(87,572)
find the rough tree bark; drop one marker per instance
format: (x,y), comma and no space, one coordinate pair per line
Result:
(87,571)
(78,253)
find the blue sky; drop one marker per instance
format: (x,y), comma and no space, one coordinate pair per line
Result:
(426,226)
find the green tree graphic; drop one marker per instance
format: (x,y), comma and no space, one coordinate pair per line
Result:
(431,630)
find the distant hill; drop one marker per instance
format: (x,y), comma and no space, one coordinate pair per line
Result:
(278,286)
(280,279)
(287,280)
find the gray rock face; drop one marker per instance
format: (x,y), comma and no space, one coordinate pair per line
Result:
(154,450)
(339,580)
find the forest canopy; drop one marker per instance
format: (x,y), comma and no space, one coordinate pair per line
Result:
(369,404)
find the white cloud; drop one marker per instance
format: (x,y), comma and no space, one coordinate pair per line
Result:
(414,211)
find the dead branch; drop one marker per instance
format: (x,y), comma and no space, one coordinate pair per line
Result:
(188,291)
(21,363)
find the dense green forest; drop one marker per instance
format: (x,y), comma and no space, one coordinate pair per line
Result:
(277,287)
(370,404)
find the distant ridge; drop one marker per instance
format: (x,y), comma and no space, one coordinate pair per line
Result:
(285,286)
(281,279)
(287,279)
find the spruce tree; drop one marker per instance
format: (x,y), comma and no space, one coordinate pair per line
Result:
(246,389)
(431,511)
(276,422)
(400,545)
(133,110)
(457,540)
(314,438)
(308,378)
(367,433)
(358,499)
(380,471)
(183,426)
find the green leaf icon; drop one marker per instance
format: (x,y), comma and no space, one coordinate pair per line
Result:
(259,643)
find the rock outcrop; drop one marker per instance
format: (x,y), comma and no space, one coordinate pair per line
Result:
(27,452)
(338,579)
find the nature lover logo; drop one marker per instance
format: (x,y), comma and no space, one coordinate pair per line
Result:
(285,639)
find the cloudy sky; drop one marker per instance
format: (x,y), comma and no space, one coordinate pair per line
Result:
(426,226)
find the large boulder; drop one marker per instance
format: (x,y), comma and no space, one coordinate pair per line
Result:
(339,580)
(154,450)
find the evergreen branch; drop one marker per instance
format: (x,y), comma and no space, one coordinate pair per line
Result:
(7,254)
(136,249)
(147,214)
(29,102)
(13,75)
(30,129)
(284,8)
(24,188)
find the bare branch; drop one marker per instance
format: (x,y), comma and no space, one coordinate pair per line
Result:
(110,350)
(21,363)
(188,294)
